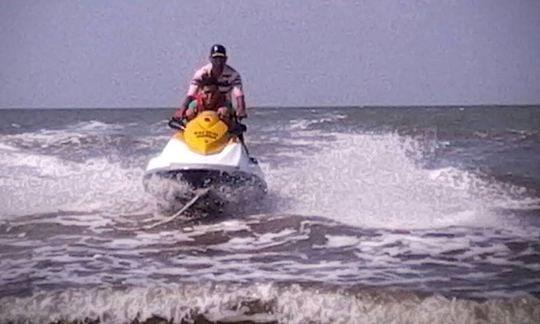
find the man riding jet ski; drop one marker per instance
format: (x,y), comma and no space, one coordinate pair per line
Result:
(208,151)
(227,78)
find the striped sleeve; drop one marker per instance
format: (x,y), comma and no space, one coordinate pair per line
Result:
(236,83)
(237,80)
(196,82)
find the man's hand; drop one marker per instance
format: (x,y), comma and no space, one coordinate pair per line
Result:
(178,114)
(182,110)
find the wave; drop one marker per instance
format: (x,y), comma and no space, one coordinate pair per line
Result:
(70,144)
(379,180)
(94,248)
(260,303)
(365,180)
(38,183)
(303,124)
(95,126)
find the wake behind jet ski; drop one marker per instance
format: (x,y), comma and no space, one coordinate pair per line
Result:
(205,155)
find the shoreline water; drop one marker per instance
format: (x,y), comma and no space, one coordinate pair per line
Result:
(395,213)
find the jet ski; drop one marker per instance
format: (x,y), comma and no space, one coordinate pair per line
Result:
(205,155)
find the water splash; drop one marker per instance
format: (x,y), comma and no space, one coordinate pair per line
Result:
(372,180)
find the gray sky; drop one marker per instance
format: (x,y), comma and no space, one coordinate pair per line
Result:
(120,53)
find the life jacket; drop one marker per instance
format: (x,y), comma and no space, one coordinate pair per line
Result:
(201,104)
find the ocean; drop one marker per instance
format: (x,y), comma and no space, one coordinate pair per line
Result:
(373,215)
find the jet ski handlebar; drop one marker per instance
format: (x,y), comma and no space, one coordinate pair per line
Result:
(176,123)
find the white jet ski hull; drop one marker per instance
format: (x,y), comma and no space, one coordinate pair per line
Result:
(232,167)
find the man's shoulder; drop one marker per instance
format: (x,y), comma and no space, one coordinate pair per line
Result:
(203,70)
(230,69)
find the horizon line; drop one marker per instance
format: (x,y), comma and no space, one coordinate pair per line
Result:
(294,107)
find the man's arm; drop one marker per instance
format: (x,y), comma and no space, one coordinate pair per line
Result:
(192,91)
(238,93)
(241,107)
(181,112)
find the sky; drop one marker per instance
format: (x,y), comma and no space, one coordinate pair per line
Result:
(103,53)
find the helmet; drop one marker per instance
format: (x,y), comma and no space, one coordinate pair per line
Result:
(218,50)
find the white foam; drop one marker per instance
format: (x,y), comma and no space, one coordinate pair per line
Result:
(341,241)
(299,124)
(376,181)
(292,304)
(302,124)
(37,183)
(6,147)
(94,126)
